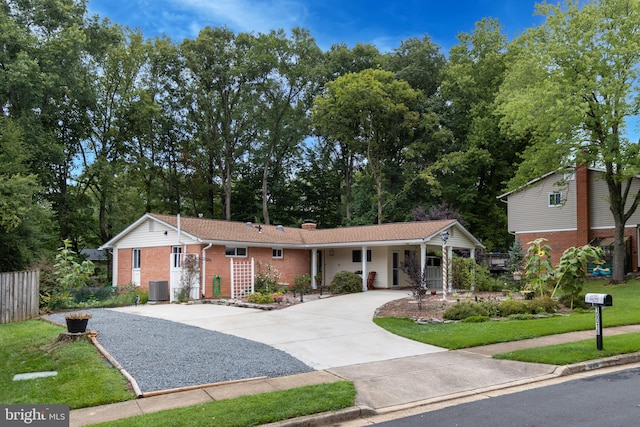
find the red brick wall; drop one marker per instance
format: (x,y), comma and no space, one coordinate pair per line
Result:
(124,266)
(294,262)
(155,265)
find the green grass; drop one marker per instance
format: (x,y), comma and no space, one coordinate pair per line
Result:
(84,378)
(462,335)
(252,410)
(575,352)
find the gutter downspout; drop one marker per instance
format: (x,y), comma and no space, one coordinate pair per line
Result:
(204,268)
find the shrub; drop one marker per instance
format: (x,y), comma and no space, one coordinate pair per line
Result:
(522,316)
(466,272)
(575,301)
(266,280)
(258,298)
(302,283)
(510,307)
(475,319)
(345,282)
(462,310)
(542,305)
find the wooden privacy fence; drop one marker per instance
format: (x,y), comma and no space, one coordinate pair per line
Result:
(19,296)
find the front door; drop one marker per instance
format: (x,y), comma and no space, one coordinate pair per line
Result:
(176,272)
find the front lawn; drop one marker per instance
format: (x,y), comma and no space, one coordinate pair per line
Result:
(84,377)
(575,352)
(252,410)
(625,311)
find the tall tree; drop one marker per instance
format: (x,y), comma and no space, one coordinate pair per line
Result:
(287,86)
(573,85)
(480,158)
(222,101)
(371,111)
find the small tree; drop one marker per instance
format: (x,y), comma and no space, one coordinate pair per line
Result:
(70,275)
(417,278)
(516,256)
(538,268)
(571,271)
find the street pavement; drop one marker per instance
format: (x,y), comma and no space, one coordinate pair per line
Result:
(337,337)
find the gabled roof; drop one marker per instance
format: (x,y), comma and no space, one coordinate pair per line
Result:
(218,231)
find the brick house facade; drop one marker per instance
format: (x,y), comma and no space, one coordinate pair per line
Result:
(155,247)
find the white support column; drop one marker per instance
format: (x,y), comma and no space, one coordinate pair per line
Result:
(423,257)
(314,267)
(364,269)
(449,268)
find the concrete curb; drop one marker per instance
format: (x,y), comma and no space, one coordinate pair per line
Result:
(576,368)
(357,412)
(327,418)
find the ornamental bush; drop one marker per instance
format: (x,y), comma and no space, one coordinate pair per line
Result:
(345,282)
(510,307)
(462,310)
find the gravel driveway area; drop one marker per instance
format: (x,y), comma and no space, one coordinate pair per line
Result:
(161,354)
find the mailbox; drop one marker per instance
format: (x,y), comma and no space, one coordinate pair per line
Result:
(603,300)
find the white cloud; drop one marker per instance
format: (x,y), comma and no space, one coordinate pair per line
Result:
(259,16)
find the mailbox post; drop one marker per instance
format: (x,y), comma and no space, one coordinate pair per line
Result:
(599,301)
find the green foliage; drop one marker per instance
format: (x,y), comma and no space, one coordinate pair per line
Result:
(345,282)
(462,310)
(258,298)
(538,268)
(475,319)
(302,283)
(468,274)
(571,271)
(516,257)
(541,305)
(267,278)
(511,307)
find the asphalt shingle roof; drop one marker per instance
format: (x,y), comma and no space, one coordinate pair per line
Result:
(227,231)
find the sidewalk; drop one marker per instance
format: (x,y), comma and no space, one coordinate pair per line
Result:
(384,386)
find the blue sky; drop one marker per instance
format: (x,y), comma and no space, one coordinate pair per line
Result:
(382,23)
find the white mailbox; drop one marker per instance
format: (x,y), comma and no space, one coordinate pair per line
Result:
(604,300)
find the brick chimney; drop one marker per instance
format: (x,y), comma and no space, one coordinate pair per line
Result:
(582,205)
(308,225)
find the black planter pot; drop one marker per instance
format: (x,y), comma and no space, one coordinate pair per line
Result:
(77,326)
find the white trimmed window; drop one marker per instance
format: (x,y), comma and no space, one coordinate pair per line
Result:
(555,199)
(276,253)
(233,251)
(135,255)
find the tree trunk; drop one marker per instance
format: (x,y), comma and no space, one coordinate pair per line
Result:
(619,254)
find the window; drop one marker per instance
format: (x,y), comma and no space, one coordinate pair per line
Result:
(555,199)
(276,253)
(233,251)
(356,255)
(135,258)
(176,256)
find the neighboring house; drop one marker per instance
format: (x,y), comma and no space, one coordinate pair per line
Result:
(155,246)
(97,256)
(570,209)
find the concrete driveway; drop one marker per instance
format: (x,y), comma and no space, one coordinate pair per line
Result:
(323,333)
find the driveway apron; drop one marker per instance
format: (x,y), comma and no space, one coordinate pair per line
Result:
(323,333)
